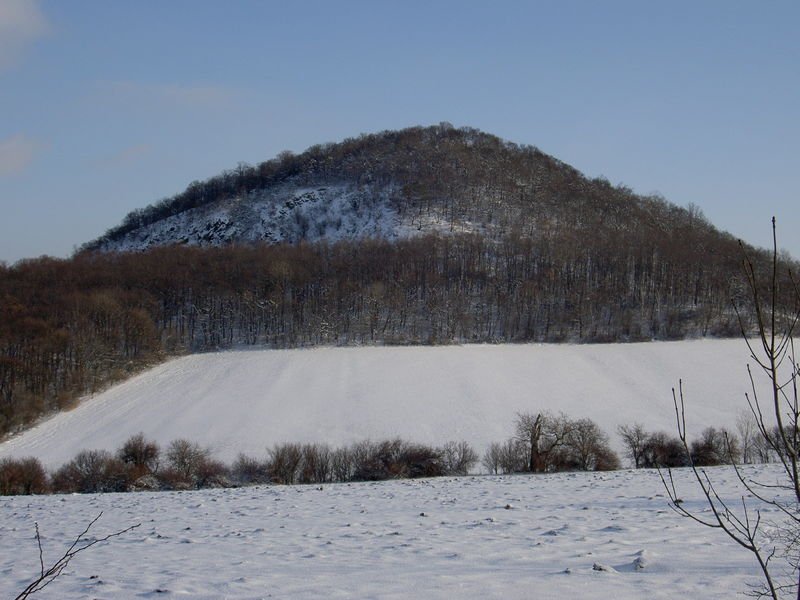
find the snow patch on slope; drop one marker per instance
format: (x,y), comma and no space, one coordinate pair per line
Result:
(246,401)
(286,213)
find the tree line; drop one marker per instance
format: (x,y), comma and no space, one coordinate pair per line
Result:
(542,442)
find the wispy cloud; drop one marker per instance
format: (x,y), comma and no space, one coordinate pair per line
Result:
(172,94)
(21,24)
(16,153)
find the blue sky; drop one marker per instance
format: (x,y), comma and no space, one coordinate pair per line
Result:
(108,106)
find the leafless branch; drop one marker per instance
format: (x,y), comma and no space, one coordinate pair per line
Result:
(772,349)
(81,543)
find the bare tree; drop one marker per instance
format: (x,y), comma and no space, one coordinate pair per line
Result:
(776,417)
(513,456)
(586,448)
(491,458)
(543,434)
(748,436)
(634,437)
(49,574)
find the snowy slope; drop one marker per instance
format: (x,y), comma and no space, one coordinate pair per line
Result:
(284,213)
(245,401)
(372,541)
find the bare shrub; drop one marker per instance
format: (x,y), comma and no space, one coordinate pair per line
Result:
(22,476)
(342,467)
(185,463)
(212,473)
(747,431)
(372,460)
(170,478)
(141,454)
(714,447)
(514,456)
(458,458)
(284,463)
(246,470)
(315,464)
(92,471)
(418,460)
(362,459)
(764,447)
(606,459)
(663,450)
(388,459)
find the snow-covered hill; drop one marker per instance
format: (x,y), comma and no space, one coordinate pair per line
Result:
(245,401)
(401,183)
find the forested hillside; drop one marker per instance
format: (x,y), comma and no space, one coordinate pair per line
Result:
(71,326)
(398,184)
(492,242)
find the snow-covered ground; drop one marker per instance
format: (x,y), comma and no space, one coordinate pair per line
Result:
(471,537)
(440,538)
(246,401)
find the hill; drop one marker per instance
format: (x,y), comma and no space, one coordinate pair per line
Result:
(247,401)
(398,184)
(422,236)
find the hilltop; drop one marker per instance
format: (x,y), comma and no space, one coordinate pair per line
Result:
(399,184)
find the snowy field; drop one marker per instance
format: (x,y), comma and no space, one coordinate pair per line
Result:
(439,538)
(246,401)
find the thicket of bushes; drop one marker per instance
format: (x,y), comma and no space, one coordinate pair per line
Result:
(141,465)
(542,442)
(713,446)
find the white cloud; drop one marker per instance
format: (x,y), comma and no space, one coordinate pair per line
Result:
(21,24)
(16,153)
